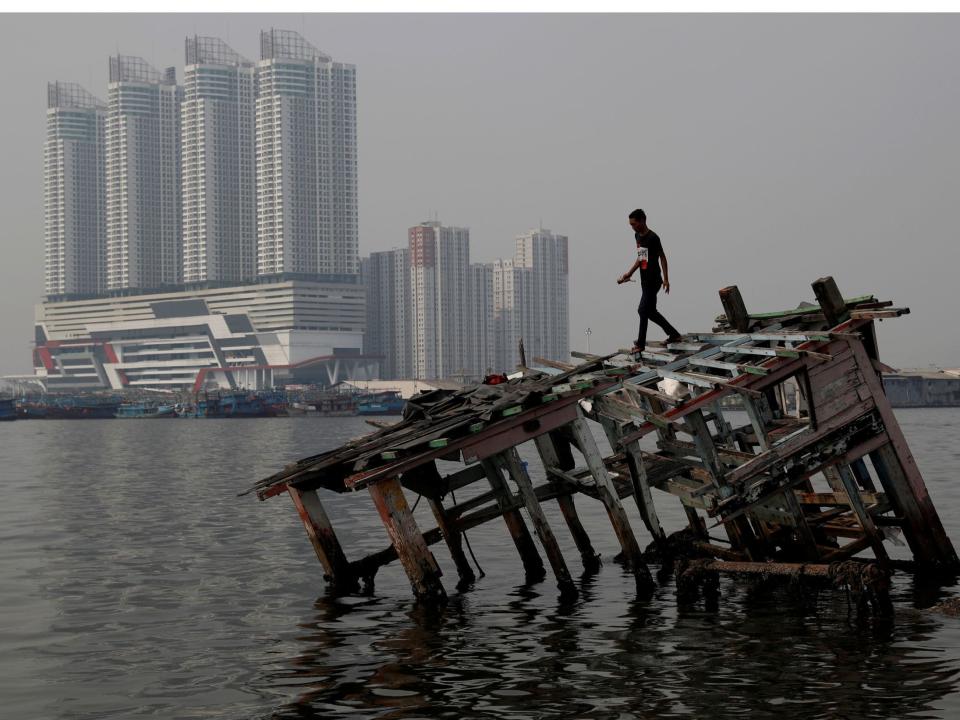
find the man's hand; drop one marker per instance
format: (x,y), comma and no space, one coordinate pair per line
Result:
(623,278)
(666,286)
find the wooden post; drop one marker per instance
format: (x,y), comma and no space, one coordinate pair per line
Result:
(866,522)
(608,495)
(407,540)
(510,460)
(532,563)
(550,457)
(735,309)
(831,301)
(454,539)
(901,479)
(638,477)
(324,539)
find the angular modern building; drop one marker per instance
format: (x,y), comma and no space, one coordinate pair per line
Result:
(439,271)
(386,278)
(144,246)
(480,346)
(74,199)
(258,335)
(218,168)
(306,160)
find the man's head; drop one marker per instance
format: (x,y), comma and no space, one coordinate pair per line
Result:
(638,220)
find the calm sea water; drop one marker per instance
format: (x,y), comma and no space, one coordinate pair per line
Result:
(135,583)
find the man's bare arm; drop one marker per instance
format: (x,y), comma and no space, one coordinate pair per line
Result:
(666,272)
(629,273)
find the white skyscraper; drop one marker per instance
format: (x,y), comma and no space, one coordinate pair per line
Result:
(509,286)
(219,177)
(306,166)
(386,279)
(74,197)
(480,343)
(546,316)
(144,246)
(439,271)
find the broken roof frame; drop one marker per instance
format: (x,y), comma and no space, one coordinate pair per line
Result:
(754,481)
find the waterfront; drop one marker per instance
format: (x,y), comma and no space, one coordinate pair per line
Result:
(133,583)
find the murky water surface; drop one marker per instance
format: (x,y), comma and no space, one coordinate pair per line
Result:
(134,583)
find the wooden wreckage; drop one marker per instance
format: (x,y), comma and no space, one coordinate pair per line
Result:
(799,492)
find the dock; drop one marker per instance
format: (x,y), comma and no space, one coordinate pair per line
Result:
(814,485)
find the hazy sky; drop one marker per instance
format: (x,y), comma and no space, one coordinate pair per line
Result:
(766,150)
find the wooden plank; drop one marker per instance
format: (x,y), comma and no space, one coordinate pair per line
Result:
(837,498)
(608,495)
(734,308)
(510,461)
(454,539)
(556,364)
(866,522)
(324,539)
(638,477)
(832,304)
(407,540)
(527,549)
(903,483)
(551,460)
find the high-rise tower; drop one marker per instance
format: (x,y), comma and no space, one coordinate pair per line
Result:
(306,149)
(144,246)
(73,196)
(219,179)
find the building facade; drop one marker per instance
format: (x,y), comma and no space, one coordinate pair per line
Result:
(545,321)
(439,270)
(218,172)
(480,347)
(244,335)
(144,245)
(306,160)
(74,198)
(386,278)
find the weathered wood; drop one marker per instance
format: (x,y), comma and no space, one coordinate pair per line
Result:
(532,562)
(856,504)
(638,476)
(406,538)
(831,302)
(324,539)
(510,461)
(454,539)
(735,309)
(903,483)
(551,459)
(608,495)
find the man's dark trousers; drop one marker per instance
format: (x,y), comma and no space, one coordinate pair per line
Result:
(647,310)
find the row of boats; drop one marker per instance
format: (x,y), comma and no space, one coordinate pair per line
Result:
(219,405)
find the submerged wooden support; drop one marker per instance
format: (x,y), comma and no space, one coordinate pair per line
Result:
(407,540)
(510,461)
(454,539)
(324,539)
(532,562)
(546,446)
(638,476)
(863,517)
(611,500)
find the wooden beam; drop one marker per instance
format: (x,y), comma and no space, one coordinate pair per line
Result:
(454,539)
(510,460)
(735,309)
(407,540)
(324,539)
(550,457)
(831,302)
(532,562)
(608,495)
(866,522)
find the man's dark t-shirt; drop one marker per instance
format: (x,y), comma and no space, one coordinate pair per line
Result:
(649,249)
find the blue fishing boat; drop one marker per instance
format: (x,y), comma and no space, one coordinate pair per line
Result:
(8,410)
(382,403)
(240,405)
(144,410)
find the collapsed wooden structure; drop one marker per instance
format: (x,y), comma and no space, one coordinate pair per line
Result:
(801,491)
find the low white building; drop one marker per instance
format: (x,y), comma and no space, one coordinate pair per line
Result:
(250,336)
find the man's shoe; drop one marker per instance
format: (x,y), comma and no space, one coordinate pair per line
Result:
(674,339)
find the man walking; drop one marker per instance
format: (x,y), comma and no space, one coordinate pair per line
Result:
(650,260)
